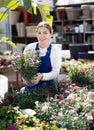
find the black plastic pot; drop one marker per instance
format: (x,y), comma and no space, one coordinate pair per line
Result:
(86,56)
(76,48)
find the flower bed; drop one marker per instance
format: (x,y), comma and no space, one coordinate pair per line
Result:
(67,105)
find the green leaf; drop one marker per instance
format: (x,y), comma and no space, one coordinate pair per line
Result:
(13,4)
(28,5)
(6,39)
(45,13)
(9,4)
(3,17)
(3,39)
(35,10)
(44,10)
(12,44)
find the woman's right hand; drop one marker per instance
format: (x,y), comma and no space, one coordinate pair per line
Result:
(37,78)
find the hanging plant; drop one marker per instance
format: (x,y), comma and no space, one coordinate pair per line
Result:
(30,5)
(5,6)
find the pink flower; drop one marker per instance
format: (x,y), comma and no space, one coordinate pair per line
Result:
(62,89)
(74,86)
(30,62)
(45,108)
(55,122)
(66,92)
(46,90)
(62,82)
(21,121)
(72,96)
(58,101)
(71,111)
(89,116)
(81,71)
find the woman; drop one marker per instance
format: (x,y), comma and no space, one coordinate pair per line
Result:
(50,57)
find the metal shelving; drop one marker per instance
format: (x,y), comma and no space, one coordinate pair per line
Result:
(70,35)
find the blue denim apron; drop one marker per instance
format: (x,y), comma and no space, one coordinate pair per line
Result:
(45,67)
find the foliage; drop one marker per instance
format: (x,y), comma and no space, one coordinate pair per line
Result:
(30,6)
(27,99)
(13,119)
(8,116)
(7,5)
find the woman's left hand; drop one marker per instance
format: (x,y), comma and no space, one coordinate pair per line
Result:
(37,78)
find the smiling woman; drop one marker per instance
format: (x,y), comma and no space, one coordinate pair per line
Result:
(50,56)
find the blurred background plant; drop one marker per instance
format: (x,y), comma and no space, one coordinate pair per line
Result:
(30,5)
(80,72)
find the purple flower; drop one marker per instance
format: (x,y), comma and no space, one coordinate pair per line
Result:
(62,89)
(1,104)
(30,62)
(12,127)
(57,96)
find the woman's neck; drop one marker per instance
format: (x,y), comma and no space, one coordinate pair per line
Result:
(43,46)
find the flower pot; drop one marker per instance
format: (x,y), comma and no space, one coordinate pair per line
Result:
(3,85)
(76,48)
(28,81)
(14,17)
(86,56)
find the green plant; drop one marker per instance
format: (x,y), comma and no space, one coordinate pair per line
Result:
(30,6)
(27,64)
(8,116)
(27,99)
(82,74)
(12,118)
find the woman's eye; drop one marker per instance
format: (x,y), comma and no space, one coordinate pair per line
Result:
(42,33)
(38,32)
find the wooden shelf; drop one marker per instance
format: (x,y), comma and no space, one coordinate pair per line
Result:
(24,40)
(76,5)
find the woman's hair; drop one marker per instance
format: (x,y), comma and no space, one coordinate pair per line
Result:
(46,25)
